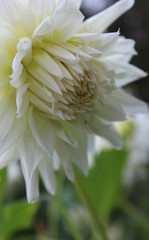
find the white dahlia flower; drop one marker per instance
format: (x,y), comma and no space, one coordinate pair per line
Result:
(60,79)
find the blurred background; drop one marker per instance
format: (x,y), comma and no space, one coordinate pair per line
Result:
(118,181)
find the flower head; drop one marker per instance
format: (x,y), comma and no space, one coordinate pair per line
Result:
(60,80)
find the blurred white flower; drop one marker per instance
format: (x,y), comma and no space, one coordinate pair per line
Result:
(80,217)
(60,79)
(138,146)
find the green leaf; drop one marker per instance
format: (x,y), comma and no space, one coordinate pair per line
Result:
(103,185)
(17,216)
(3,177)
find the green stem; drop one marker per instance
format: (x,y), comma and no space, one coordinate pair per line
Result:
(67,218)
(98,225)
(136,215)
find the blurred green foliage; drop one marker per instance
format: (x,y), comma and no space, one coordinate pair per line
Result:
(103,184)
(123,211)
(16,216)
(3,178)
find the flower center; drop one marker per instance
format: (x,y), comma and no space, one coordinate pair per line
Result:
(58,79)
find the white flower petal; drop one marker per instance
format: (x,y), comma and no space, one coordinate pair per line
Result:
(11,136)
(5,103)
(25,46)
(37,102)
(105,71)
(8,157)
(46,26)
(111,135)
(93,52)
(91,144)
(22,57)
(106,42)
(41,9)
(56,161)
(105,130)
(8,41)
(78,3)
(60,133)
(130,104)
(5,71)
(48,176)
(17,68)
(64,30)
(102,20)
(22,100)
(86,37)
(30,154)
(64,154)
(111,111)
(17,14)
(32,188)
(6,121)
(10,129)
(60,53)
(123,51)
(4,60)
(78,155)
(125,72)
(47,62)
(42,130)
(39,76)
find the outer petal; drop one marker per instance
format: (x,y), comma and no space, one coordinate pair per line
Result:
(47,174)
(111,111)
(32,188)
(69,154)
(10,128)
(118,58)
(64,154)
(8,41)
(78,155)
(103,129)
(102,20)
(60,133)
(125,72)
(30,155)
(106,42)
(67,19)
(12,135)
(46,26)
(17,14)
(130,104)
(5,71)
(42,130)
(8,157)
(78,3)
(123,50)
(41,9)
